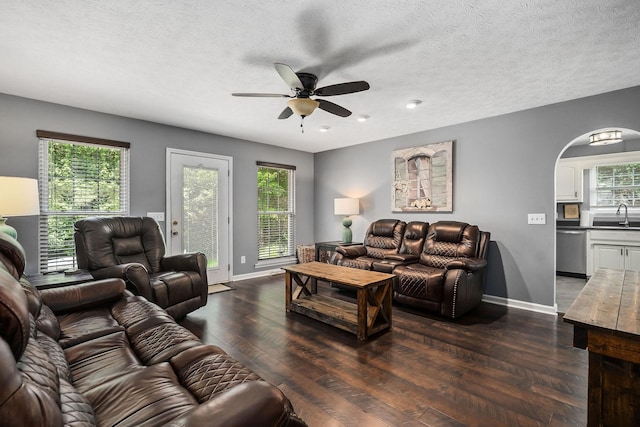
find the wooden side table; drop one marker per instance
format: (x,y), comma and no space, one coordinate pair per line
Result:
(56,280)
(324,250)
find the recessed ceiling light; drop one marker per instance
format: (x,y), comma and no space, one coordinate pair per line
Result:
(413,103)
(363,118)
(324,128)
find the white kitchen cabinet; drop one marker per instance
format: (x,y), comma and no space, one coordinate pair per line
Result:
(614,249)
(608,256)
(568,182)
(632,260)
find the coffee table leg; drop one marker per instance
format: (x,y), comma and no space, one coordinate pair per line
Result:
(362,314)
(388,301)
(287,290)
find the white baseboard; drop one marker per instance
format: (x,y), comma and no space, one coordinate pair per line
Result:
(513,303)
(257,274)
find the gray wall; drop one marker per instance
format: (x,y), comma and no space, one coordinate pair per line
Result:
(504,168)
(20,118)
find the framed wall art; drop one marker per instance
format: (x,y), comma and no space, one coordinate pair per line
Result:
(423,178)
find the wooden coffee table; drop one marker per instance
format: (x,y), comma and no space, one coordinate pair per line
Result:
(371,313)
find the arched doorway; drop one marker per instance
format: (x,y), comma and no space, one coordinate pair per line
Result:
(578,208)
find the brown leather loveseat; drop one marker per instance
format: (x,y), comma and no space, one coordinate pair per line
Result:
(439,267)
(94,355)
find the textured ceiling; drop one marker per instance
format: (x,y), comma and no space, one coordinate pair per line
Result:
(177,62)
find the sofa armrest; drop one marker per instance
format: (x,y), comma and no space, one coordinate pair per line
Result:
(196,261)
(469,264)
(243,406)
(403,258)
(83,296)
(135,274)
(352,251)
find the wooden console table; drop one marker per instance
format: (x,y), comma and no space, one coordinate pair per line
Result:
(56,280)
(370,315)
(324,250)
(606,319)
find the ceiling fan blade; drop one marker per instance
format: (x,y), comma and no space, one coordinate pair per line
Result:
(286,113)
(342,88)
(332,108)
(262,95)
(289,76)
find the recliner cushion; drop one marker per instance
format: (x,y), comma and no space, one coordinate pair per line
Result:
(449,240)
(146,397)
(384,237)
(101,238)
(130,249)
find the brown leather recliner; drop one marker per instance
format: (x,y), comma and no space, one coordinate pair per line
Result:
(383,238)
(133,249)
(448,279)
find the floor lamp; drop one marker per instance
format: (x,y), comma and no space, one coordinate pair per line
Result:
(346,207)
(18,197)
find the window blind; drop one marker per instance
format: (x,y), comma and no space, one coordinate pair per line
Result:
(276,211)
(79,177)
(617,184)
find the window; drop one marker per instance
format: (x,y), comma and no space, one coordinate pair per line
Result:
(617,184)
(79,177)
(276,211)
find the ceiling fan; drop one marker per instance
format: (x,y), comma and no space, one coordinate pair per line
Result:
(303,86)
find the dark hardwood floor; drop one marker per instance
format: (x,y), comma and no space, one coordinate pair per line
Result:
(494,367)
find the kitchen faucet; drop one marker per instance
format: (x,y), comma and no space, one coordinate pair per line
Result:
(626,215)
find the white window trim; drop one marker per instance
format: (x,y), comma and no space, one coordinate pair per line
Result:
(289,258)
(44,137)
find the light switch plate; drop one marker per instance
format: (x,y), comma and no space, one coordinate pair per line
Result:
(536,218)
(158,216)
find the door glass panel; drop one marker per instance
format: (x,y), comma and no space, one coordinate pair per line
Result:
(200,213)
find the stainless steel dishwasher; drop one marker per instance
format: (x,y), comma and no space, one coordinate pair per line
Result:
(571,252)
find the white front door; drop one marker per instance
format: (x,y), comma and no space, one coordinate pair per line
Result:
(198,207)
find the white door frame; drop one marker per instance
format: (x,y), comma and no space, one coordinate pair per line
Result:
(229,160)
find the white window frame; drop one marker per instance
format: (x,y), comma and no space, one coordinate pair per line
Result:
(57,263)
(289,257)
(590,162)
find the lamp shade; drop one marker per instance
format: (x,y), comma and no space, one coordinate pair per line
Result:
(303,106)
(346,206)
(18,196)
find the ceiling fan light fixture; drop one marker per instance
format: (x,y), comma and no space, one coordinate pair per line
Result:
(413,104)
(605,137)
(303,106)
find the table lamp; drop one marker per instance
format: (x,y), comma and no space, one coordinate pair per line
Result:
(346,206)
(18,197)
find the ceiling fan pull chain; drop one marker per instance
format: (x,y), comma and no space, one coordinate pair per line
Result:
(302,123)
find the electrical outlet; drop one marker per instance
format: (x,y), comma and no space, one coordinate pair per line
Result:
(537,218)
(243,259)
(158,216)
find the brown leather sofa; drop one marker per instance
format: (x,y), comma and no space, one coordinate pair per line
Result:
(439,268)
(94,355)
(133,249)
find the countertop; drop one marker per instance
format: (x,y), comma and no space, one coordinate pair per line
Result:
(567,225)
